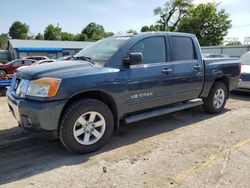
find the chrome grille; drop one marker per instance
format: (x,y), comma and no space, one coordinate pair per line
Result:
(19,87)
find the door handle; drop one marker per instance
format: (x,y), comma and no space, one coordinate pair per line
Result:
(166,71)
(197,67)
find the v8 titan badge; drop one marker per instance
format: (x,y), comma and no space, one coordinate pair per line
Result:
(142,95)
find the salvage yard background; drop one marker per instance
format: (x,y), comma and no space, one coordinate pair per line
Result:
(181,149)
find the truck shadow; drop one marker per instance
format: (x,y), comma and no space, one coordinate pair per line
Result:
(240,95)
(34,155)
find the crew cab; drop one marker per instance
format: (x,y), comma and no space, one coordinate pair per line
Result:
(116,81)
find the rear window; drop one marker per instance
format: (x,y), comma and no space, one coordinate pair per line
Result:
(183,48)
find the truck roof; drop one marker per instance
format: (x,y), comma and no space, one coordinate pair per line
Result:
(154,34)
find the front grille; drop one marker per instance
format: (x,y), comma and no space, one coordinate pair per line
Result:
(19,87)
(16,83)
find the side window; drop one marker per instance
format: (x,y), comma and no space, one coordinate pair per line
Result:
(182,48)
(19,62)
(27,62)
(153,49)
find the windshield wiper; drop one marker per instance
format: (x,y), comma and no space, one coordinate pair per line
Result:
(84,58)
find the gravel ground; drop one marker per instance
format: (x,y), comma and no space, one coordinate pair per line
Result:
(184,149)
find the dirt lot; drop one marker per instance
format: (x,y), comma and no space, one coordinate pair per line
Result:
(188,148)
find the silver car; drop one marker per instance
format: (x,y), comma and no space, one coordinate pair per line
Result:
(245,72)
(43,61)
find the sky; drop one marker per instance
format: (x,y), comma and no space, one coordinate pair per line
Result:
(116,16)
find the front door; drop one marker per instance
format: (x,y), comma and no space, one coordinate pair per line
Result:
(150,83)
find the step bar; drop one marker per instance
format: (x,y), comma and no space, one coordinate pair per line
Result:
(162,111)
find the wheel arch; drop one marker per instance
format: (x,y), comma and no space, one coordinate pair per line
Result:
(98,95)
(209,85)
(2,69)
(224,79)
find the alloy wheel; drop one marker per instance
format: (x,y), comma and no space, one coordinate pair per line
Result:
(89,128)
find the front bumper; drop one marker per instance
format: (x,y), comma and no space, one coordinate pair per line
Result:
(35,115)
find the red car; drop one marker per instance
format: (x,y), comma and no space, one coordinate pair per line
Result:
(10,67)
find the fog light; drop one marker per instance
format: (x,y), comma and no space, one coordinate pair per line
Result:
(26,121)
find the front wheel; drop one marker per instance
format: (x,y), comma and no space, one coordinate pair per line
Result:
(86,126)
(3,73)
(217,98)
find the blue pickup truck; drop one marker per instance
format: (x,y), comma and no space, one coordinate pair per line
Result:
(116,81)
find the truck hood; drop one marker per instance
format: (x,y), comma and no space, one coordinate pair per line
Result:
(61,69)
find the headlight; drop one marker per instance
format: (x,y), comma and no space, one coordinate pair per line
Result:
(44,87)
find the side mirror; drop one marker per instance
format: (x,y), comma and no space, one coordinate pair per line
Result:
(133,58)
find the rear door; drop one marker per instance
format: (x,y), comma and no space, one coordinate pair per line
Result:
(188,75)
(150,83)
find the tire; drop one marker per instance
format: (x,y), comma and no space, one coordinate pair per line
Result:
(3,73)
(3,91)
(88,118)
(217,98)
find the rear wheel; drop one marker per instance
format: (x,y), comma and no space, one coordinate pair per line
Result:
(216,100)
(86,126)
(3,73)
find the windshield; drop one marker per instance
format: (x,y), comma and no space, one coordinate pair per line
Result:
(102,50)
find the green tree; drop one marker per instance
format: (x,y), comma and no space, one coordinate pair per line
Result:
(39,36)
(19,30)
(132,31)
(94,31)
(145,28)
(80,37)
(108,34)
(30,37)
(151,28)
(52,33)
(233,43)
(171,13)
(67,36)
(3,41)
(207,23)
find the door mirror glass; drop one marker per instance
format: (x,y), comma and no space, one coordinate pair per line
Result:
(133,58)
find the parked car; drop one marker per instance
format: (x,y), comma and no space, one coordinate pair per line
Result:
(215,55)
(68,57)
(40,62)
(116,81)
(10,67)
(36,57)
(245,72)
